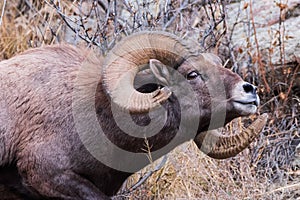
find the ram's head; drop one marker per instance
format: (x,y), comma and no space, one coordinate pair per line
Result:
(150,69)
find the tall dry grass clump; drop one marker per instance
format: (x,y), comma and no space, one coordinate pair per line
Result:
(27,24)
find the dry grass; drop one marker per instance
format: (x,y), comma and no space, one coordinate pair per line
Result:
(265,171)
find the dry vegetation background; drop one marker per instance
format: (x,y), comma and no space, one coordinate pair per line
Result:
(259,39)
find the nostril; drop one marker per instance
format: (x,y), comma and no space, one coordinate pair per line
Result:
(249,88)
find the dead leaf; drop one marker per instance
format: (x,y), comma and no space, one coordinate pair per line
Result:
(282,96)
(282,6)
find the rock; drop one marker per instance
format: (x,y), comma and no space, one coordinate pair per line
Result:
(274,35)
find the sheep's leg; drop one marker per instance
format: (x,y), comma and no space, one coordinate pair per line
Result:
(69,185)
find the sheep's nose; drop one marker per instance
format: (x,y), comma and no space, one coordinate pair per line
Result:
(249,88)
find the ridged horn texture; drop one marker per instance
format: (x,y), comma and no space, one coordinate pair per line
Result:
(131,55)
(219,146)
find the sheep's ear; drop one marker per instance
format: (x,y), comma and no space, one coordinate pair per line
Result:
(160,71)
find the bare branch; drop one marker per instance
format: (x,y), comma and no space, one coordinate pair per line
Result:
(260,64)
(144,178)
(2,13)
(182,7)
(66,19)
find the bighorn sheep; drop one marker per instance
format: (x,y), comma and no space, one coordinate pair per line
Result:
(51,96)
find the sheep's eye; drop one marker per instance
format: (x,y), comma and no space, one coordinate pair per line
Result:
(192,75)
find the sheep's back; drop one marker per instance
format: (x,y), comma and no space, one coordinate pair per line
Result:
(36,96)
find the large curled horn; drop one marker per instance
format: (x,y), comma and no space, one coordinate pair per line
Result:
(219,146)
(131,55)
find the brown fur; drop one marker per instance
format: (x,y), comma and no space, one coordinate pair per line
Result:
(40,146)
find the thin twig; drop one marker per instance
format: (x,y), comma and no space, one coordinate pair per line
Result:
(236,22)
(281,33)
(148,174)
(66,19)
(291,84)
(103,6)
(2,13)
(260,64)
(212,27)
(44,22)
(115,17)
(297,185)
(183,6)
(145,177)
